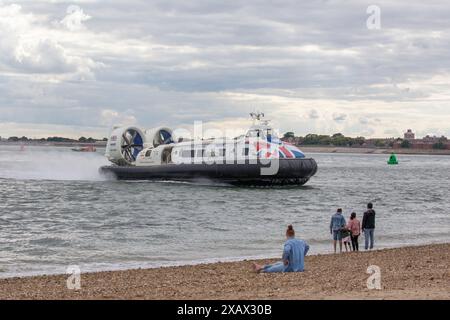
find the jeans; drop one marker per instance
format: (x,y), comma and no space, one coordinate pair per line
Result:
(368,237)
(355,243)
(276,267)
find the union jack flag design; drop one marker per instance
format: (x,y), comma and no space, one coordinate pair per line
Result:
(267,149)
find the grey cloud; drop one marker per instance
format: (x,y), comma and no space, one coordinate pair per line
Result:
(313,114)
(363,120)
(150,60)
(339,117)
(28,45)
(75,18)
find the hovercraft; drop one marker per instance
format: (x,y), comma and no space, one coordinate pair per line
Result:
(257,158)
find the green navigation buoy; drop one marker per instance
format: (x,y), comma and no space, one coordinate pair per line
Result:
(393,159)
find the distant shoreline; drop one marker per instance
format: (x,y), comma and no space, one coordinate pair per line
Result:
(305,148)
(416,272)
(328,149)
(53,144)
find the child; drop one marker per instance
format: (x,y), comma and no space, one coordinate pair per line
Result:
(345,234)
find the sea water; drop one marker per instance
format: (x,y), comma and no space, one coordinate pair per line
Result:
(56,210)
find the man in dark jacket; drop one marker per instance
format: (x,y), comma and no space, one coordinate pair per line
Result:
(368,226)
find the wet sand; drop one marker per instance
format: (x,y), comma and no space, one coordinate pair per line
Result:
(406,273)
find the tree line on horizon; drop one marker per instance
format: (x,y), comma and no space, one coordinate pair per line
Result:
(338,139)
(55,139)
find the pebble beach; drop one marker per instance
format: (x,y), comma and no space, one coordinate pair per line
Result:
(420,272)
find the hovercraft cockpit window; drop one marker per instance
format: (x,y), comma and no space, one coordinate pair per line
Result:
(269,135)
(254,134)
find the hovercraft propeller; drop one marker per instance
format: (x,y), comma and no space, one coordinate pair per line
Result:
(132,144)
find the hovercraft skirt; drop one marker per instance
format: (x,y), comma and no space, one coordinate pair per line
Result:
(278,172)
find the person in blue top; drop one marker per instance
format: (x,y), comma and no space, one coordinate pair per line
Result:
(293,259)
(336,227)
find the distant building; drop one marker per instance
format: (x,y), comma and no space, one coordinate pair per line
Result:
(434,139)
(428,142)
(410,135)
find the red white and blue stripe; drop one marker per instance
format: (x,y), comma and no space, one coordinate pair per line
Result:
(281,150)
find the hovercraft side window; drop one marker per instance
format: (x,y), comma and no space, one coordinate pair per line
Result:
(188,153)
(200,153)
(148,153)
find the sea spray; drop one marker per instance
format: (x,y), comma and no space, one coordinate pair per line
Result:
(46,163)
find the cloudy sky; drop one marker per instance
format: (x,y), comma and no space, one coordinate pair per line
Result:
(76,68)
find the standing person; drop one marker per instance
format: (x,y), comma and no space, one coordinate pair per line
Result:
(355,230)
(368,226)
(293,259)
(336,225)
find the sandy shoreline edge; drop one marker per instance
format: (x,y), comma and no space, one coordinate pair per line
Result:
(418,272)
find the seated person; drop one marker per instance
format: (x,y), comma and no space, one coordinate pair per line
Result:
(293,259)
